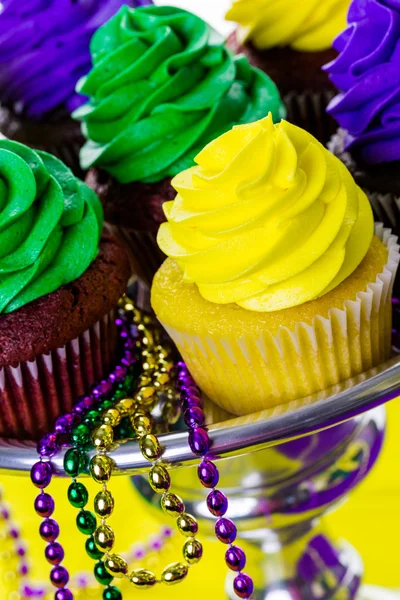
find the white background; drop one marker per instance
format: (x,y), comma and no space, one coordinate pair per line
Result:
(212,11)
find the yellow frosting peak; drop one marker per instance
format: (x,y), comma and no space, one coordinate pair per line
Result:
(308,25)
(269,219)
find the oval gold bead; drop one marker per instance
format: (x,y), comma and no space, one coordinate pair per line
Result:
(192,551)
(174,573)
(142,424)
(101,468)
(116,565)
(187,525)
(150,447)
(104,504)
(172,505)
(126,406)
(143,579)
(160,379)
(146,394)
(111,417)
(144,380)
(104,538)
(103,437)
(159,479)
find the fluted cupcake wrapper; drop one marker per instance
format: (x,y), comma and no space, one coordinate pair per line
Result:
(34,393)
(250,374)
(63,140)
(308,111)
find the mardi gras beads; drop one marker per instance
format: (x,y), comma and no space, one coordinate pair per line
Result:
(155,382)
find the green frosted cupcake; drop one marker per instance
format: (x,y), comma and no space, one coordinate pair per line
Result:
(162,86)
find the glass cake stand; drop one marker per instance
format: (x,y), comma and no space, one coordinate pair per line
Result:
(291,465)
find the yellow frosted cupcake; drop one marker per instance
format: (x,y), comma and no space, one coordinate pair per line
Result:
(275,286)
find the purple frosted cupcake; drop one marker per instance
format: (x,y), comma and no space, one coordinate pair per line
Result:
(44,50)
(367,73)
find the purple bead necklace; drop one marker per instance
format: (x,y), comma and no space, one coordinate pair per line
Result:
(217,502)
(50,444)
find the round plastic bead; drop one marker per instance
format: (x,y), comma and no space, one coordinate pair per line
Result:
(41,474)
(208,474)
(217,503)
(235,558)
(49,530)
(59,576)
(91,549)
(86,522)
(112,593)
(243,585)
(78,495)
(226,531)
(101,574)
(44,505)
(54,553)
(192,551)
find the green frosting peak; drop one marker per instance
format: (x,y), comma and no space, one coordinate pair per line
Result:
(50,225)
(162,86)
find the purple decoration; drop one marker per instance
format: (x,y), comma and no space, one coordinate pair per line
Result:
(49,530)
(44,505)
(64,594)
(14,533)
(83,406)
(48,445)
(41,474)
(23,569)
(208,474)
(199,441)
(217,503)
(21,551)
(367,73)
(243,586)
(59,577)
(194,417)
(235,558)
(64,424)
(44,46)
(207,471)
(226,531)
(167,532)
(54,553)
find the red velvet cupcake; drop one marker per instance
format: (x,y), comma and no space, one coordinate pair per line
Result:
(61,279)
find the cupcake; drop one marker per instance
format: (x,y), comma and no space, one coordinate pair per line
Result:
(162,86)
(276,286)
(61,279)
(367,109)
(44,50)
(290,41)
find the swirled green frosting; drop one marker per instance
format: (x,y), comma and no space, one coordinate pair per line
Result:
(50,225)
(162,86)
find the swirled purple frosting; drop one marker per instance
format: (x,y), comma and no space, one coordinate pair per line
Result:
(44,50)
(367,73)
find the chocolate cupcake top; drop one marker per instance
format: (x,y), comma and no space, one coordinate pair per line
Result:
(367,71)
(269,219)
(44,50)
(50,225)
(162,86)
(308,26)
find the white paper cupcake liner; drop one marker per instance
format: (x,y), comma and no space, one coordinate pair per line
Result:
(249,374)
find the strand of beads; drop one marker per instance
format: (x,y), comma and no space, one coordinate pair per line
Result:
(18,577)
(155,382)
(217,502)
(67,425)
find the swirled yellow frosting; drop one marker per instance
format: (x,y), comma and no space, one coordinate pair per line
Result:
(268,219)
(307,25)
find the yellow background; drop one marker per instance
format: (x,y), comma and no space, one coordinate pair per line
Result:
(370,521)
